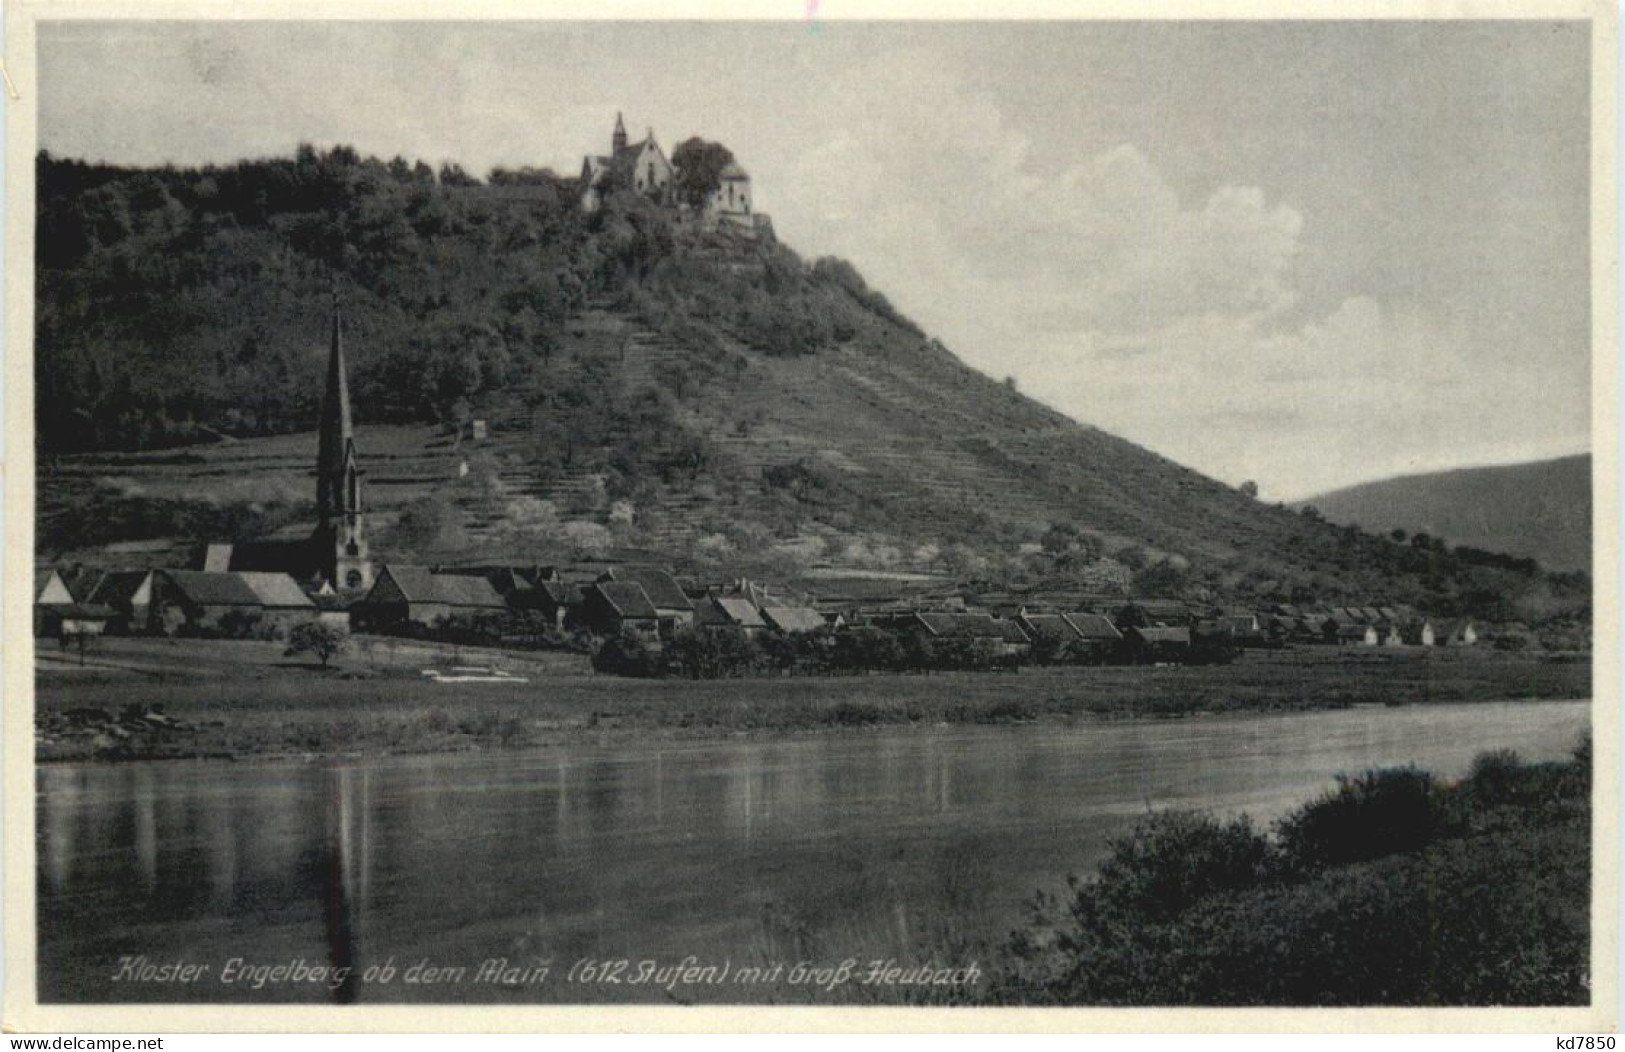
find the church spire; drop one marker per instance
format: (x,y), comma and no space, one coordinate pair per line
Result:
(618,140)
(336,442)
(340,541)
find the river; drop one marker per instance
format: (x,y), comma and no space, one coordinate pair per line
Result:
(749,851)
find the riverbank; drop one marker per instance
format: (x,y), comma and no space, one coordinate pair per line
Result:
(159,699)
(1322,908)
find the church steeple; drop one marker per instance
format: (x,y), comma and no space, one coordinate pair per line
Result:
(341,545)
(336,443)
(618,140)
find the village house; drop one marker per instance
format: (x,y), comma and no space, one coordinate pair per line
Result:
(414,594)
(1101,638)
(1004,636)
(1310,630)
(1418,633)
(61,609)
(1156,644)
(716,613)
(792,618)
(619,608)
(1456,634)
(128,593)
(1357,635)
(557,601)
(1088,637)
(194,601)
(1053,632)
(673,608)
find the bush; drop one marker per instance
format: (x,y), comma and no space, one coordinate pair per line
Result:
(711,654)
(627,656)
(1191,910)
(1378,813)
(1115,942)
(1173,858)
(1495,775)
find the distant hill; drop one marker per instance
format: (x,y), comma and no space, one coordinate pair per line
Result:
(709,401)
(1541,509)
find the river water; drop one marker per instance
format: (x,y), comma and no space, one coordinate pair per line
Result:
(818,848)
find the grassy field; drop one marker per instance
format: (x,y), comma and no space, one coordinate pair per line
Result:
(236,699)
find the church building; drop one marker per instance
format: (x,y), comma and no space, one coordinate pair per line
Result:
(334,556)
(641,166)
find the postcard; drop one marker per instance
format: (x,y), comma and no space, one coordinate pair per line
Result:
(895,518)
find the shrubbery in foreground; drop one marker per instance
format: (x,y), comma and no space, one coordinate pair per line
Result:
(1392,889)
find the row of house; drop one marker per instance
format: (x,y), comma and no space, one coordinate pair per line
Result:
(606,601)
(1280,624)
(167,602)
(651,604)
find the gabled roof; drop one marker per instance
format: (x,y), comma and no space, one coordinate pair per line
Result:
(626,598)
(660,587)
(707,614)
(1162,609)
(119,586)
(731,170)
(419,585)
(1009,631)
(595,166)
(939,624)
(1093,626)
(508,580)
(561,593)
(731,611)
(465,591)
(1353,631)
(42,578)
(739,611)
(1052,627)
(974,626)
(208,588)
(793,618)
(276,589)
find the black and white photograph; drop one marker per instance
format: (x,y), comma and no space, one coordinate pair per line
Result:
(988,513)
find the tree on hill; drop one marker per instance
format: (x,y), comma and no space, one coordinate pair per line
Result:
(699,165)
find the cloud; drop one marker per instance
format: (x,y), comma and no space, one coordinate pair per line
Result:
(1098,243)
(1174,321)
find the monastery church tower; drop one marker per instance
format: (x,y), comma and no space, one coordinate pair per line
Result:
(340,541)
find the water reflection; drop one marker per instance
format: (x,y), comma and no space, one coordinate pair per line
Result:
(822,843)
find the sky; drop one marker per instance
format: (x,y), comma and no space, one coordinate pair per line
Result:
(1303,254)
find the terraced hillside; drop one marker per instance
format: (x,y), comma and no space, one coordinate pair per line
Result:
(707,401)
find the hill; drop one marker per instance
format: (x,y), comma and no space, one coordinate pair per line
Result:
(1541,509)
(649,390)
